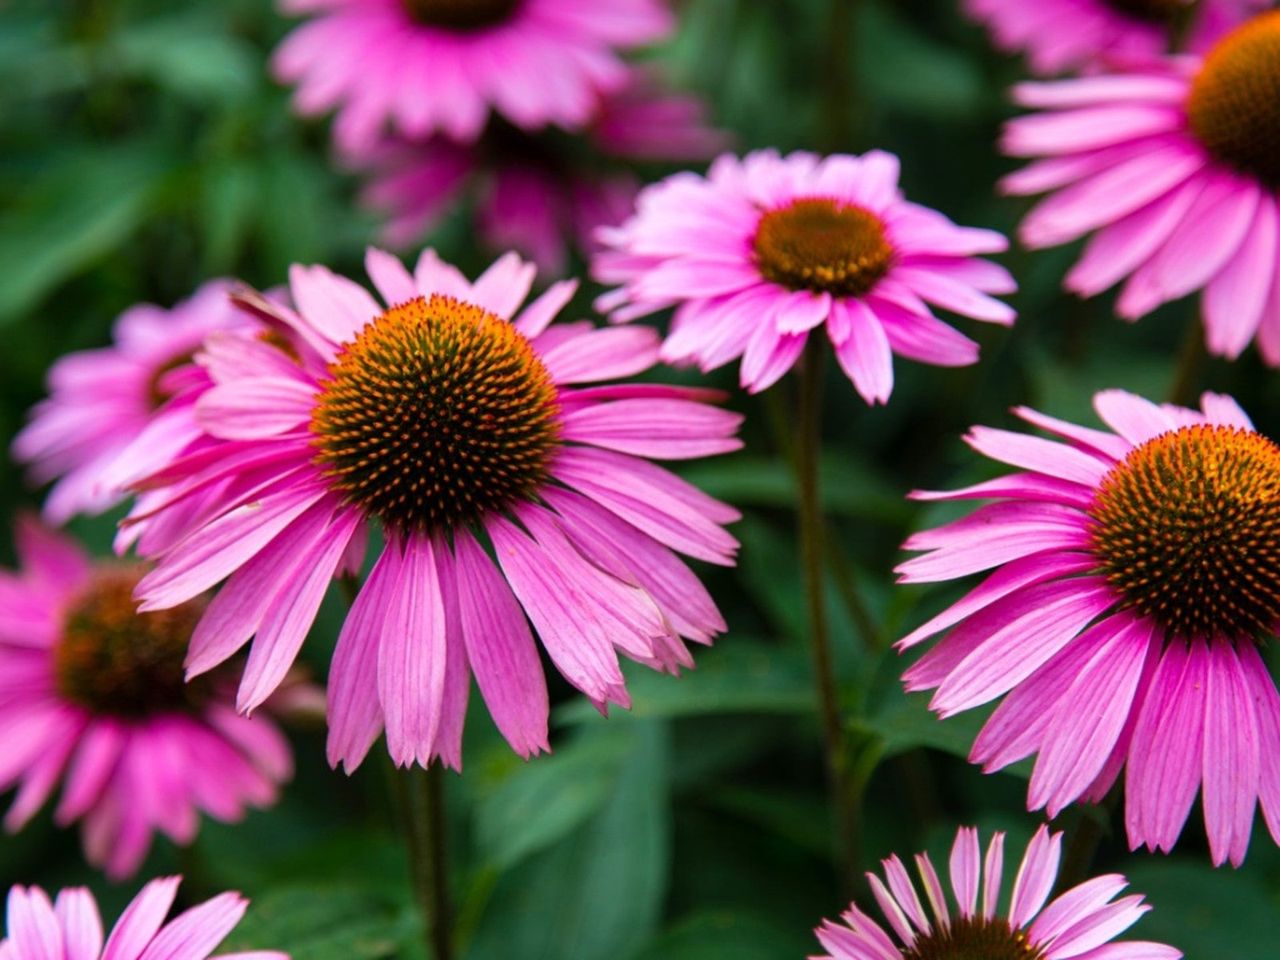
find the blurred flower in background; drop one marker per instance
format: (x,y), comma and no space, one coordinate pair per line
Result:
(92,694)
(83,436)
(70,928)
(766,249)
(1081,922)
(1057,36)
(1174,167)
(444,418)
(440,66)
(539,193)
(1135,576)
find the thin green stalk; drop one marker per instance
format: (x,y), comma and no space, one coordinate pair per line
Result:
(423,793)
(839,100)
(1191,358)
(1082,842)
(808,454)
(1083,839)
(851,597)
(1181,25)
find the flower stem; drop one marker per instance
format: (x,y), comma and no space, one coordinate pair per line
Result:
(808,453)
(1191,359)
(423,792)
(837,132)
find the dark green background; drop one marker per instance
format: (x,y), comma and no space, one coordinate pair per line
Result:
(143,149)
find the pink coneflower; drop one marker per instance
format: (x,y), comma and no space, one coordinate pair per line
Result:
(70,928)
(92,694)
(82,436)
(1175,166)
(440,66)
(534,193)
(465,435)
(1062,35)
(1135,575)
(1082,922)
(765,249)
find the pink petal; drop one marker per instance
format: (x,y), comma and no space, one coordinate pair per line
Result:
(865,355)
(966,870)
(1036,875)
(355,712)
(81,925)
(1231,756)
(501,649)
(1014,652)
(1165,757)
(196,932)
(1236,298)
(1091,715)
(411,655)
(141,920)
(290,615)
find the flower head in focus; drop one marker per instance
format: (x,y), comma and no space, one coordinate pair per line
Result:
(1134,574)
(1083,922)
(1174,168)
(539,193)
(125,409)
(441,66)
(510,477)
(766,250)
(94,698)
(1064,35)
(70,927)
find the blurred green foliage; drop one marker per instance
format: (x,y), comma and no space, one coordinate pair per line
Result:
(143,149)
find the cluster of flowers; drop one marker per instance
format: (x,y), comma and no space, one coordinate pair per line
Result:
(525,107)
(500,464)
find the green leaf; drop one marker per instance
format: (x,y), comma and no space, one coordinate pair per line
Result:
(229,194)
(319,923)
(848,486)
(904,722)
(738,675)
(542,801)
(191,56)
(727,934)
(1206,912)
(78,208)
(599,894)
(902,68)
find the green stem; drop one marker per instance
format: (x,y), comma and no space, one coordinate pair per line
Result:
(1191,358)
(851,597)
(1083,840)
(808,454)
(838,101)
(1181,25)
(423,792)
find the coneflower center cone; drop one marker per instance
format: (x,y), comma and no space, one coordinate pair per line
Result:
(973,938)
(436,415)
(1157,11)
(158,394)
(461,14)
(1234,107)
(1187,529)
(114,661)
(822,245)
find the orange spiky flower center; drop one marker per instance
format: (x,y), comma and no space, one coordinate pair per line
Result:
(822,245)
(1154,11)
(973,938)
(114,661)
(1234,107)
(461,15)
(1187,529)
(437,414)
